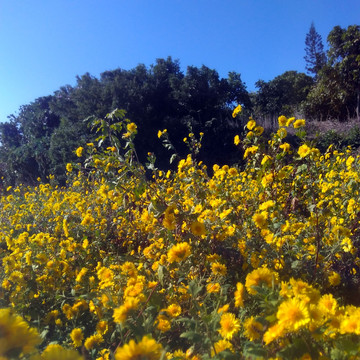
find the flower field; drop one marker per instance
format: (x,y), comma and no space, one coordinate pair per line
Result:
(255,262)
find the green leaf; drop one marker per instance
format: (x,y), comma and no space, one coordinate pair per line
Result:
(192,336)
(194,288)
(301,168)
(254,351)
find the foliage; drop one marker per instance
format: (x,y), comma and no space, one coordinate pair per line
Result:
(315,55)
(40,140)
(337,91)
(282,95)
(244,264)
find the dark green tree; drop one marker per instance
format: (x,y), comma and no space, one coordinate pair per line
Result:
(315,55)
(344,56)
(284,95)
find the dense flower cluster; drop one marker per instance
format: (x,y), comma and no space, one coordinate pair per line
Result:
(256,262)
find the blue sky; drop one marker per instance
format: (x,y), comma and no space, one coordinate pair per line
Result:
(45,43)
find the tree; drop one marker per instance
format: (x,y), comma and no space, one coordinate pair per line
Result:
(315,56)
(344,56)
(284,95)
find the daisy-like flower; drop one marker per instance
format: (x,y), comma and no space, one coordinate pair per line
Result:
(229,325)
(282,120)
(179,252)
(293,314)
(252,328)
(299,123)
(236,111)
(258,277)
(77,337)
(304,150)
(147,349)
(198,228)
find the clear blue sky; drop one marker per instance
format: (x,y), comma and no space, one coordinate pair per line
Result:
(45,43)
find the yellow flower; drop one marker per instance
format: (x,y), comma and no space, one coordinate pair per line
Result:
(220,346)
(79,151)
(266,205)
(77,337)
(131,128)
(304,150)
(299,123)
(147,349)
(250,150)
(282,120)
(163,323)
(198,228)
(274,332)
(251,124)
(120,313)
(285,147)
(57,352)
(258,130)
(282,133)
(161,133)
(218,269)
(69,167)
(260,219)
(293,313)
(15,334)
(236,140)
(327,304)
(290,121)
(258,277)
(93,341)
(252,328)
(173,310)
(213,288)
(334,278)
(265,159)
(229,325)
(102,327)
(239,295)
(236,111)
(179,252)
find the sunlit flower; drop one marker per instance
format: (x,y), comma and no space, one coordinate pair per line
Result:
(236,111)
(79,151)
(77,337)
(299,123)
(57,352)
(282,120)
(239,295)
(258,277)
(15,334)
(92,341)
(229,325)
(293,313)
(236,140)
(220,346)
(69,167)
(131,128)
(251,124)
(147,349)
(252,328)
(304,150)
(179,252)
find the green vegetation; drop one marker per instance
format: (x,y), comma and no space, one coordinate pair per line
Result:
(39,141)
